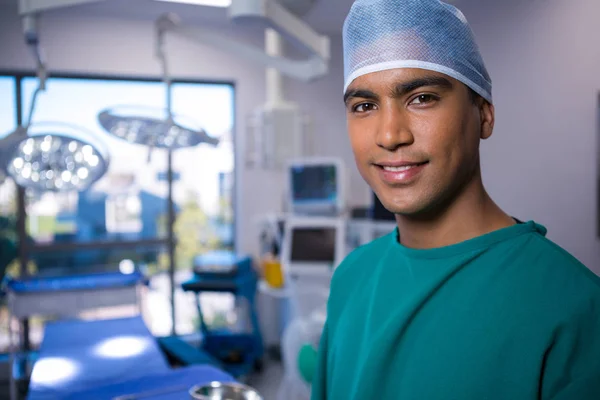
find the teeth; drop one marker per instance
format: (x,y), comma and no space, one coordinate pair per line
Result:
(399,169)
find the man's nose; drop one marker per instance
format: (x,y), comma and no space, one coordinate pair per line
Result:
(393,131)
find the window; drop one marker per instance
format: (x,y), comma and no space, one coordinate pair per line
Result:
(135,187)
(8,102)
(130,201)
(8,122)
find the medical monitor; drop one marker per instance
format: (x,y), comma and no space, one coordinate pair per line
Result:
(313,245)
(316,186)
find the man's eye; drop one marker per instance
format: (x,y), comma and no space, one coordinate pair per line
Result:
(423,98)
(363,107)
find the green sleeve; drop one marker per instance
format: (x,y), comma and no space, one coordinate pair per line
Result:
(319,383)
(573,362)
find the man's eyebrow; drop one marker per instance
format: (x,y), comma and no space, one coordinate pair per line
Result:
(401,89)
(361,93)
(404,88)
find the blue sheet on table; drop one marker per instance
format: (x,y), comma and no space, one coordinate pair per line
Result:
(172,385)
(75,282)
(81,355)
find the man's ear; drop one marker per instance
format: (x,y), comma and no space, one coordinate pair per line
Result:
(487,113)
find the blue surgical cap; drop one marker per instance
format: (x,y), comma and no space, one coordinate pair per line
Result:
(426,34)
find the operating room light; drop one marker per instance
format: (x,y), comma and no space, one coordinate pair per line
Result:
(152,127)
(211,3)
(55,157)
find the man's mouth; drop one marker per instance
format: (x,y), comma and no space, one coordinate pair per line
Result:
(400,166)
(402,172)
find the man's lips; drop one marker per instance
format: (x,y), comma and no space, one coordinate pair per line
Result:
(400,172)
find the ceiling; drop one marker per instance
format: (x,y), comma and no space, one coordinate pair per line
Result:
(325,16)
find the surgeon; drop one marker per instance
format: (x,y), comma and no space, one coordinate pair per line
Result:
(462,301)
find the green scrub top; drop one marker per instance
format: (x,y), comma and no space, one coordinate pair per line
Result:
(508,315)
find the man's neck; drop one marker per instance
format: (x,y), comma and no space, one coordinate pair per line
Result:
(471,214)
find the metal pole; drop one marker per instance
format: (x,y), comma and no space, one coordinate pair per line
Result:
(161,25)
(171,239)
(25,344)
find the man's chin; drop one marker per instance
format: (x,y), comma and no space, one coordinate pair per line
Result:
(413,210)
(401,209)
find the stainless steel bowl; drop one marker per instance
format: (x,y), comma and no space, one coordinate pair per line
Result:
(224,391)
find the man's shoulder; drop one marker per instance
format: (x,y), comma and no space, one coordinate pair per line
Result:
(564,270)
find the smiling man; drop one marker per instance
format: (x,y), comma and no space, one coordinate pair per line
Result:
(462,301)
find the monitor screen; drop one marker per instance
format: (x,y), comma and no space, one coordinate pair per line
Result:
(314,183)
(313,245)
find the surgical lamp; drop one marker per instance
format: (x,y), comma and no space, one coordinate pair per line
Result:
(156,127)
(152,127)
(50,156)
(54,157)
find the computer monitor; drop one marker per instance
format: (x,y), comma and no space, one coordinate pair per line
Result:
(313,246)
(316,186)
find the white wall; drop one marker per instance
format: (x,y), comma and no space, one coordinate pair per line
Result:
(540,164)
(119,47)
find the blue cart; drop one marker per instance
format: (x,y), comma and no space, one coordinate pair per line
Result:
(238,353)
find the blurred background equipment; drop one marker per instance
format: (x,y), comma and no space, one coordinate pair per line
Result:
(44,157)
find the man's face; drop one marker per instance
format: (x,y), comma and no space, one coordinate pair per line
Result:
(415,136)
